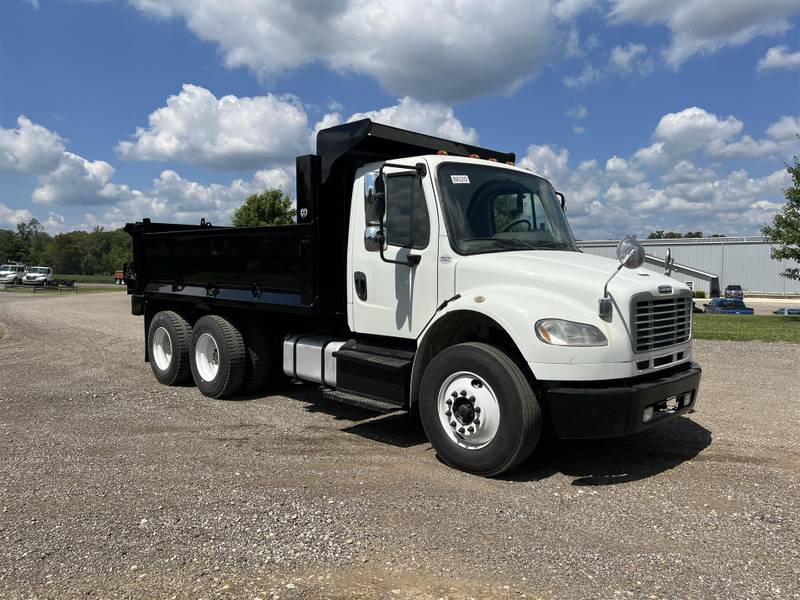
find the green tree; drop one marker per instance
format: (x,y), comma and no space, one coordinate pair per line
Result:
(270,207)
(785,228)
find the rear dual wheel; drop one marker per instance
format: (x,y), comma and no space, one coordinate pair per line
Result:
(168,341)
(221,357)
(217,357)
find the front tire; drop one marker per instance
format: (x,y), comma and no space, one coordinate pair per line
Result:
(168,340)
(478,409)
(217,357)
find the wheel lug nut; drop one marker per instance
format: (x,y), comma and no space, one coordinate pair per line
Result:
(448,413)
(452,423)
(463,392)
(471,429)
(455,394)
(460,430)
(477,421)
(472,398)
(448,402)
(477,410)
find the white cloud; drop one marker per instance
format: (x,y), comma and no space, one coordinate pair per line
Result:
(77,180)
(781,140)
(566,10)
(33,3)
(619,199)
(694,127)
(704,26)
(431,118)
(172,197)
(588,76)
(779,57)
(630,58)
(577,129)
(223,133)
(54,222)
(784,129)
(620,170)
(578,112)
(30,148)
(546,161)
(14,216)
(429,49)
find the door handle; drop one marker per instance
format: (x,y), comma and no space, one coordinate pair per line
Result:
(360,280)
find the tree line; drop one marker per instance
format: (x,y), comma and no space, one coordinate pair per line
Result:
(96,252)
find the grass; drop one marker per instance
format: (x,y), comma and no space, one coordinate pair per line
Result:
(745,328)
(87,278)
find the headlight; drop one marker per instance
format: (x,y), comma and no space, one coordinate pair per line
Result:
(568,333)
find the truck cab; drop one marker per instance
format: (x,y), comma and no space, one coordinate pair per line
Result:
(445,282)
(38,276)
(12,273)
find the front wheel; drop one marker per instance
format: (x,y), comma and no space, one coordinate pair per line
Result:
(478,409)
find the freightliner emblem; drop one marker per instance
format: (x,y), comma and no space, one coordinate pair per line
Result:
(665,289)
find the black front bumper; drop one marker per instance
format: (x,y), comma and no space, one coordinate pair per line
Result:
(616,408)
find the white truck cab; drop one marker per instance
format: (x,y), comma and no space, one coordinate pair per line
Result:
(38,276)
(12,273)
(428,276)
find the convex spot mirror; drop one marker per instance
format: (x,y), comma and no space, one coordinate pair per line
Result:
(630,253)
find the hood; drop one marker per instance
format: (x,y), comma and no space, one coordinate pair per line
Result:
(572,278)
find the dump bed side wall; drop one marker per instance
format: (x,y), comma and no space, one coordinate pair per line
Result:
(258,267)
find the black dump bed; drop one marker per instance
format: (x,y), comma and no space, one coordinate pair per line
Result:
(294,268)
(270,267)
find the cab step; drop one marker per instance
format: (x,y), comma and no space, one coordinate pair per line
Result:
(380,406)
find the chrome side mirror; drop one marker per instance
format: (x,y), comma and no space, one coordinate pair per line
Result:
(373,238)
(369,185)
(630,253)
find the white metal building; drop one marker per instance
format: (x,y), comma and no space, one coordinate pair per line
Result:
(736,260)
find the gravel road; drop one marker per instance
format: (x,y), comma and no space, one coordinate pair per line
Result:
(114,486)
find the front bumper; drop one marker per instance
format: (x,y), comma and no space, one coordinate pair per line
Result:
(615,408)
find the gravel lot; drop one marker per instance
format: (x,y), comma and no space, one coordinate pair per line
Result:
(114,486)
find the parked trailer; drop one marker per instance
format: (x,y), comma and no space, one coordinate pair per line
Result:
(428,276)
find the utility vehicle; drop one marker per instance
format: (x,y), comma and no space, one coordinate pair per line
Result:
(428,276)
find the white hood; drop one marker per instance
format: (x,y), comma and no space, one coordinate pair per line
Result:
(519,288)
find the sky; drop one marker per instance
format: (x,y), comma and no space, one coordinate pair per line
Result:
(648,115)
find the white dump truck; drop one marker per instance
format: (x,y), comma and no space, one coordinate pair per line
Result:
(428,276)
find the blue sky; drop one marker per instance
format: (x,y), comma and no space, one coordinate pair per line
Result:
(647,114)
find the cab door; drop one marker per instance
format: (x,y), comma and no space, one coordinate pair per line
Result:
(391,299)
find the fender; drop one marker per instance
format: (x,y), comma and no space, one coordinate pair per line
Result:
(462,321)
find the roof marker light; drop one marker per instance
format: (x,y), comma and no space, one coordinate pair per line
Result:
(442,153)
(474,156)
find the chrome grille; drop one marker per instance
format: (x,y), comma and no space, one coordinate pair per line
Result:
(660,322)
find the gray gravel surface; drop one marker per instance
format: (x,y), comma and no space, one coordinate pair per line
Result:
(114,486)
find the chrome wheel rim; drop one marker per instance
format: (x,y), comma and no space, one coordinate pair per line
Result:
(206,357)
(468,410)
(162,348)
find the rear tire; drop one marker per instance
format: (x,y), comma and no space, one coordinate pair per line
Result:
(478,409)
(217,357)
(168,340)
(258,363)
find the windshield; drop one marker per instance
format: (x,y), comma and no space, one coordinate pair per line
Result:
(491,209)
(38,270)
(5,267)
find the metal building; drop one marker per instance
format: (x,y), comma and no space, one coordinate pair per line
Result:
(735,260)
